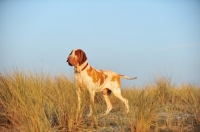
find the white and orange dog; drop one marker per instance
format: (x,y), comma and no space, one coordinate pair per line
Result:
(95,80)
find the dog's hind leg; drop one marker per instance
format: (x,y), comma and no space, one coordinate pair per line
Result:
(106,94)
(117,93)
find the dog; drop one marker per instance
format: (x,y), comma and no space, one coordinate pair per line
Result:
(94,80)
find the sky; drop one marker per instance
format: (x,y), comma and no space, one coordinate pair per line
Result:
(146,39)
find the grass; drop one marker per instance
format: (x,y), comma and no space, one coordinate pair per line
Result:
(40,102)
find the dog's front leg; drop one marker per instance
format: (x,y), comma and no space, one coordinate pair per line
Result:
(92,94)
(78,91)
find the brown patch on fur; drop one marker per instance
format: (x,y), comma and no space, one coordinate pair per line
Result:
(81,56)
(107,91)
(116,78)
(97,76)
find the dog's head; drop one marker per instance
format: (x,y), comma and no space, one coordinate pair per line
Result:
(76,58)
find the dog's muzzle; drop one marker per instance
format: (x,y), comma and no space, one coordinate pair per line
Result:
(68,62)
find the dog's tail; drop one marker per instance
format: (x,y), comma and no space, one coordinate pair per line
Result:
(129,78)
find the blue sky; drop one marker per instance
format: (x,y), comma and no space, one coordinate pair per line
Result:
(143,39)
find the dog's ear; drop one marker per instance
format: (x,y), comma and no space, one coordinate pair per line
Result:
(81,56)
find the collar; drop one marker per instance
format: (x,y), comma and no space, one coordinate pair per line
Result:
(80,68)
(84,67)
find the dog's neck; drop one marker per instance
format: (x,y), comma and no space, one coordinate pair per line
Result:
(81,67)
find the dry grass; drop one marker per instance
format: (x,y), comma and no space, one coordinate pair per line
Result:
(39,102)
